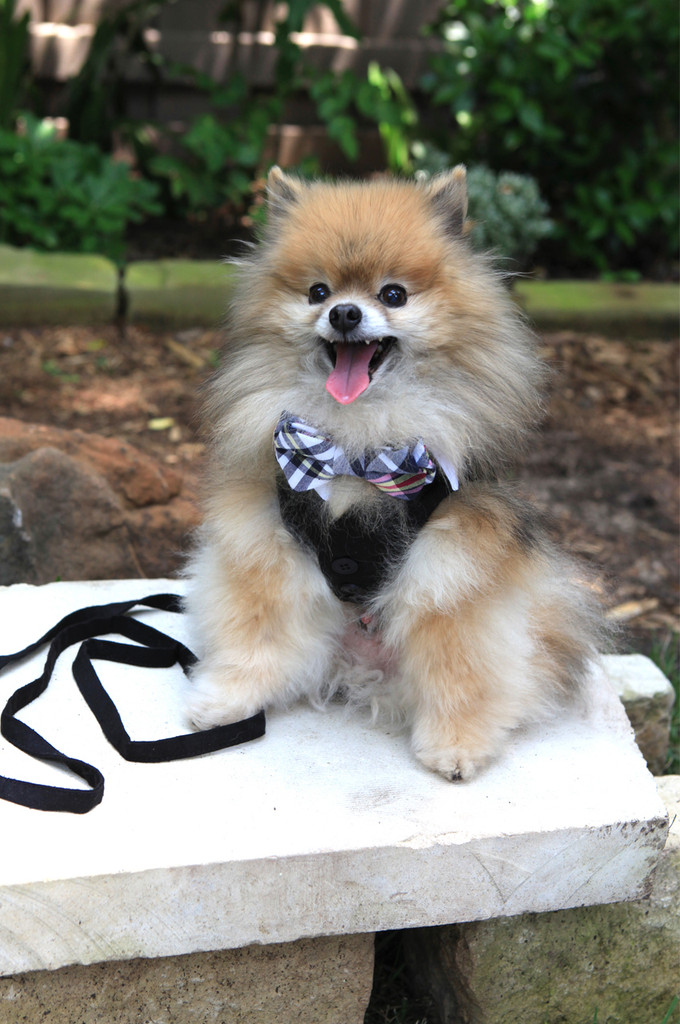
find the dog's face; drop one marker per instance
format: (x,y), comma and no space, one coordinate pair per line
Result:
(363,278)
(357,336)
(364,311)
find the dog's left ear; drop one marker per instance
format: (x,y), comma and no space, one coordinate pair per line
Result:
(448,194)
(282,190)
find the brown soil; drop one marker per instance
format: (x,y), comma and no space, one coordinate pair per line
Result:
(604,466)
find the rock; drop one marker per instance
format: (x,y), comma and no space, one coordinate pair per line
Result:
(140,479)
(312,981)
(15,557)
(617,963)
(159,534)
(82,506)
(65,521)
(648,698)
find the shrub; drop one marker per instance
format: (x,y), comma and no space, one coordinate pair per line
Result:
(507,213)
(210,164)
(61,194)
(581,94)
(380,99)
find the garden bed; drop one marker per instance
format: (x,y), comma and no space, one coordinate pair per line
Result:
(604,466)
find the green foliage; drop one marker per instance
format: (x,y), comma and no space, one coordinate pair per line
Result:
(13,61)
(61,194)
(215,161)
(212,163)
(508,215)
(342,101)
(671,1013)
(578,94)
(391,107)
(581,94)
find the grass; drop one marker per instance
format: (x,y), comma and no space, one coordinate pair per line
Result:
(666,654)
(671,1016)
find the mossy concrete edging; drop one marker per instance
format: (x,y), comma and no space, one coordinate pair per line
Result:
(58,288)
(640,309)
(176,292)
(39,288)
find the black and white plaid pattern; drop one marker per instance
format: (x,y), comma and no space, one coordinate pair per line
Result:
(310,460)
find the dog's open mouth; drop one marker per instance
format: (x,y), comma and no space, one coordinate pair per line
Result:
(354,363)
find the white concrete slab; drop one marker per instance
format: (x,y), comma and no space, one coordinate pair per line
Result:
(326,825)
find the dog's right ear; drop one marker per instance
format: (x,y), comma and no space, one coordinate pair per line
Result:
(283,190)
(448,194)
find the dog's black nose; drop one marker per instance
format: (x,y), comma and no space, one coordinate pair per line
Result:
(345,317)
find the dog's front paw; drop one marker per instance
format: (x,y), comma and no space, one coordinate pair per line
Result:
(446,747)
(454,764)
(213,700)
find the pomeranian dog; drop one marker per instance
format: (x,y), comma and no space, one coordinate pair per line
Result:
(377,379)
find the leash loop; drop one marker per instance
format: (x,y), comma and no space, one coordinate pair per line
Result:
(150,649)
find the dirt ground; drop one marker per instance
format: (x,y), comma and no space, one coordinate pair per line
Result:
(604,466)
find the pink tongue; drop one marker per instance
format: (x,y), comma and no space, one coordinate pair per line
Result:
(350,376)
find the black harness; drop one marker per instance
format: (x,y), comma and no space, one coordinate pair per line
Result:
(355,556)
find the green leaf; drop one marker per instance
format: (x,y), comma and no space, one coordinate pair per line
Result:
(342,130)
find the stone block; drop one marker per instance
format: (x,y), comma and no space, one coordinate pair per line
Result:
(648,698)
(616,964)
(177,293)
(325,826)
(312,981)
(56,288)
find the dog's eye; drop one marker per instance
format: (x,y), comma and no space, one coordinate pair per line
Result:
(393,295)
(318,293)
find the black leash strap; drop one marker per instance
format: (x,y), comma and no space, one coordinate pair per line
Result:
(151,649)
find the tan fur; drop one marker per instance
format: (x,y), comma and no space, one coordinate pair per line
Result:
(480,627)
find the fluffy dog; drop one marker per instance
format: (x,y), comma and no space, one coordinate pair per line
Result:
(376,381)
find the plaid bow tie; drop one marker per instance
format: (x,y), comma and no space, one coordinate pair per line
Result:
(309,461)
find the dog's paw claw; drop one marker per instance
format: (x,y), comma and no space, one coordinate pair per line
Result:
(452,765)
